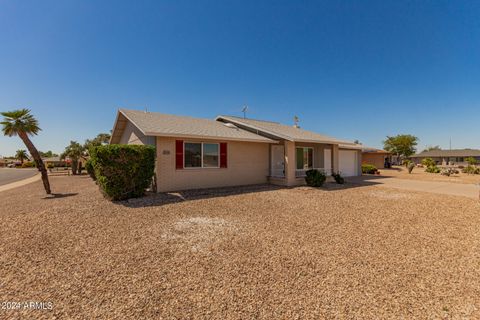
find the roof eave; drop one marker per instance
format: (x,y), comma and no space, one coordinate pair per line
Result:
(191,136)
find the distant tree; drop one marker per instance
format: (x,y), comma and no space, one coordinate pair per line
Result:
(23,123)
(357,142)
(48,154)
(21,155)
(432,148)
(471,161)
(402,145)
(73,151)
(100,139)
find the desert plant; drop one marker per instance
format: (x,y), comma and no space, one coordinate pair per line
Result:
(123,171)
(427,162)
(22,123)
(433,169)
(369,169)
(338,178)
(315,178)
(28,164)
(471,170)
(471,161)
(406,162)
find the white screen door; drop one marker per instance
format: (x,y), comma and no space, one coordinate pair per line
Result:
(278,161)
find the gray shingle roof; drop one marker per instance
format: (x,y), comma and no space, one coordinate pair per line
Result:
(283,131)
(159,124)
(448,153)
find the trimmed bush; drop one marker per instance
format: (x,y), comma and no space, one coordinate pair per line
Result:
(315,178)
(338,178)
(90,169)
(369,169)
(28,164)
(123,171)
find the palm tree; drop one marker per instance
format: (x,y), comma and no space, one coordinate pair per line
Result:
(21,155)
(23,123)
(73,151)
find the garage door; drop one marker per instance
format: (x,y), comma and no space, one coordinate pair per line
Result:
(347,162)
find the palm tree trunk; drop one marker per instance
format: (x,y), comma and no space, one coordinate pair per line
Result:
(36,156)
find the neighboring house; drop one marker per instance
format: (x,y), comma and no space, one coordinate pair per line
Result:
(54,161)
(447,157)
(376,157)
(2,163)
(230,151)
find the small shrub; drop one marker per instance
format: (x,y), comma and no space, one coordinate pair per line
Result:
(471,170)
(411,165)
(471,161)
(123,171)
(338,178)
(428,162)
(406,163)
(433,169)
(90,169)
(28,164)
(50,166)
(369,169)
(315,178)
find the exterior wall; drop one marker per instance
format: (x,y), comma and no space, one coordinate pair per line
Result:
(247,163)
(131,135)
(376,159)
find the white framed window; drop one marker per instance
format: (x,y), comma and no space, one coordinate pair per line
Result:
(201,155)
(304,157)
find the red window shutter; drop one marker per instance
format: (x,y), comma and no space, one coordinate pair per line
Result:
(223,155)
(179,154)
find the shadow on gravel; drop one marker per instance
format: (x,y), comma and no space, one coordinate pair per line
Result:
(59,195)
(160,199)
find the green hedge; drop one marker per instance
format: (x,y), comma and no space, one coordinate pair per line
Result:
(123,171)
(369,169)
(90,169)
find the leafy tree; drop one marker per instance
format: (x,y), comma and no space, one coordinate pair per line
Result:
(471,161)
(22,123)
(99,140)
(73,151)
(21,155)
(401,145)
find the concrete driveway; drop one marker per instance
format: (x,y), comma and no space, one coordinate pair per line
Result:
(455,189)
(9,175)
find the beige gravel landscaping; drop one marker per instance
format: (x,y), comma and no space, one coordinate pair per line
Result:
(419,173)
(255,252)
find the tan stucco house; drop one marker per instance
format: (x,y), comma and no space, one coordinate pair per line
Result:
(231,151)
(376,157)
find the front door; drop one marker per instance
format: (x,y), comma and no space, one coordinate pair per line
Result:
(278,161)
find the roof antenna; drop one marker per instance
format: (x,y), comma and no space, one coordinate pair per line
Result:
(146,110)
(295,121)
(244,110)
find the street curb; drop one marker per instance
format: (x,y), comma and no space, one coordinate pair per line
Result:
(20,183)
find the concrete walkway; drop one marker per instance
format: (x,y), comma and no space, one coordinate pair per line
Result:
(454,189)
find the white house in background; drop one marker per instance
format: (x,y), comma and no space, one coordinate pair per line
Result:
(231,151)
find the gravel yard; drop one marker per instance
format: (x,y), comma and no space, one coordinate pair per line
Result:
(420,174)
(256,252)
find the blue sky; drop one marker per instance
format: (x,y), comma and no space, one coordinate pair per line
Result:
(352,69)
